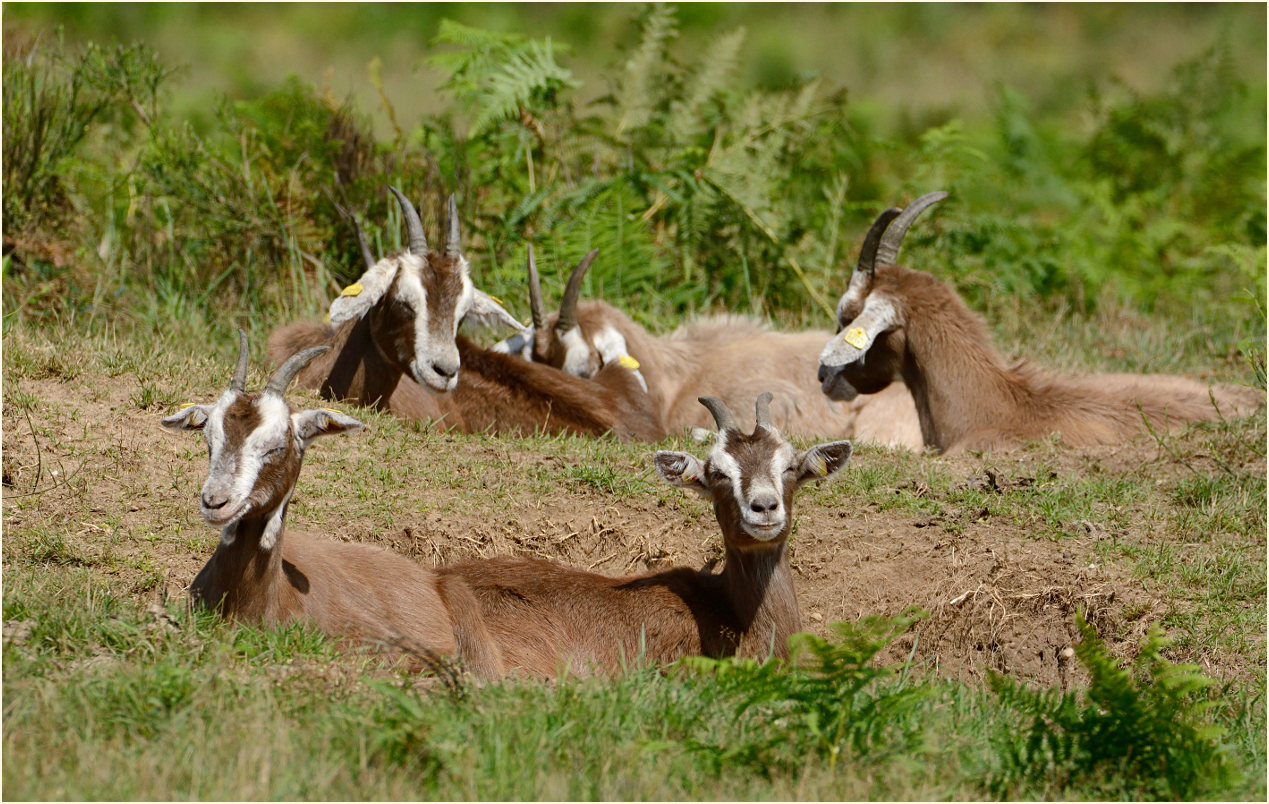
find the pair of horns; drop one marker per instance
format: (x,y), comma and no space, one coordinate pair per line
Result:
(881,244)
(281,378)
(414,229)
(725,420)
(568,302)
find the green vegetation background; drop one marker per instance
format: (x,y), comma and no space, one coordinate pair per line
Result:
(186,164)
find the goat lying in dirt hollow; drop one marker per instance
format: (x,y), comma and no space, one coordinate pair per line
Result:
(732,357)
(264,574)
(498,615)
(893,321)
(394,345)
(546,618)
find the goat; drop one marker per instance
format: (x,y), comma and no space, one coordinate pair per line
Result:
(262,573)
(727,355)
(897,321)
(545,617)
(394,345)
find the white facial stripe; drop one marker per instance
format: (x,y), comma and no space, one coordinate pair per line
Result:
(722,460)
(880,314)
(610,344)
(854,292)
(576,353)
(235,469)
(465,299)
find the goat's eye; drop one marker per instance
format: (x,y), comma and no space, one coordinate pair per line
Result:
(272,453)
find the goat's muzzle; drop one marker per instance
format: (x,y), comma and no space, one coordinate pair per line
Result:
(835,385)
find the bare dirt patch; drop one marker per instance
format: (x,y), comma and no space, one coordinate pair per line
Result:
(110,490)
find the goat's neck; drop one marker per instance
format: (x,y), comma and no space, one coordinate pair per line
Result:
(355,369)
(958,381)
(243,577)
(759,586)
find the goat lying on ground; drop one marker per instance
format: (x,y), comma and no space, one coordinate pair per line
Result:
(545,617)
(896,321)
(393,336)
(264,574)
(733,357)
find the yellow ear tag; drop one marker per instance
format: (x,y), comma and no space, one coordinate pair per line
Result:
(688,477)
(326,318)
(497,301)
(628,362)
(352,290)
(328,410)
(856,337)
(186,405)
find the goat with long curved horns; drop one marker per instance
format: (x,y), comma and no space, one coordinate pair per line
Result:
(394,345)
(730,356)
(894,321)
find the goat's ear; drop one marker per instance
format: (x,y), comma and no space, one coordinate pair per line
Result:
(488,312)
(360,296)
(518,345)
(823,460)
(310,424)
(190,417)
(682,469)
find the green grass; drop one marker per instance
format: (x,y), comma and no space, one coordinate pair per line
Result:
(1108,219)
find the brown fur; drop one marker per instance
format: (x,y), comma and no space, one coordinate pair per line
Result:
(735,358)
(968,399)
(495,392)
(547,618)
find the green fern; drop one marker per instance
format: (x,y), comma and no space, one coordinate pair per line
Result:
(641,89)
(1146,726)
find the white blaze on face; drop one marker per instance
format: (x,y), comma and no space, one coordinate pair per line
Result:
(576,353)
(236,460)
(880,314)
(757,489)
(432,349)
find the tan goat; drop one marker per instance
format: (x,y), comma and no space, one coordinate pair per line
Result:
(394,345)
(733,357)
(264,574)
(893,321)
(545,617)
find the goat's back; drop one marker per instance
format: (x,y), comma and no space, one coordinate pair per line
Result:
(545,616)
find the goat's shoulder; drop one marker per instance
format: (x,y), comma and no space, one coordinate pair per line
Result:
(295,337)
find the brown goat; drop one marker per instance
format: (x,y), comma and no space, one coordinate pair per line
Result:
(547,618)
(377,357)
(262,573)
(896,321)
(732,357)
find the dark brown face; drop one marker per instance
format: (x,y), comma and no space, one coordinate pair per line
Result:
(415,322)
(866,353)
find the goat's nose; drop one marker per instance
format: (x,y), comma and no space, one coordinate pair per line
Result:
(445,368)
(764,504)
(213,501)
(825,372)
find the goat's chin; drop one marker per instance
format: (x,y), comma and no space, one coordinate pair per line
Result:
(432,381)
(763,532)
(225,516)
(835,385)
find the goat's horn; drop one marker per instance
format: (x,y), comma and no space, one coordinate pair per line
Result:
(722,416)
(537,310)
(762,410)
(452,248)
(413,226)
(888,251)
(287,371)
(868,251)
(568,303)
(239,382)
